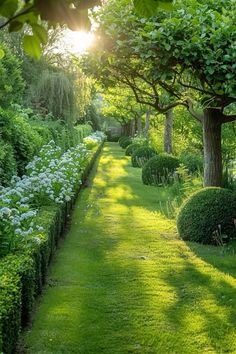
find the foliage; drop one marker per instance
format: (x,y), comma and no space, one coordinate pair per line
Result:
(23,274)
(51,178)
(184,54)
(12,84)
(125,142)
(55,95)
(8,165)
(141,156)
(131,148)
(159,170)
(19,13)
(122,138)
(16,131)
(193,162)
(208,216)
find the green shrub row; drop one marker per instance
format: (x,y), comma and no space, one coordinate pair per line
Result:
(22,137)
(23,274)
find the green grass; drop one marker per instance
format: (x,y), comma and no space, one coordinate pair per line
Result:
(123,282)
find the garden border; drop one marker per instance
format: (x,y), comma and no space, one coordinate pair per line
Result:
(22,275)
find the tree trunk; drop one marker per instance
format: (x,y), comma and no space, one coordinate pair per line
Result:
(132,127)
(139,125)
(147,123)
(168,132)
(212,147)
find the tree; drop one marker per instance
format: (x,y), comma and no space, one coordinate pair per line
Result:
(36,13)
(11,84)
(189,53)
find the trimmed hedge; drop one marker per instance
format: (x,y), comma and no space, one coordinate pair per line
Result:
(125,142)
(141,155)
(159,169)
(131,148)
(122,138)
(208,216)
(193,162)
(22,275)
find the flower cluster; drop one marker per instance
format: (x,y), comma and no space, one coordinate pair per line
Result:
(51,177)
(93,139)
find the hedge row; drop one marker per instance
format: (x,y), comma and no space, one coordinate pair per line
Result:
(22,137)
(23,274)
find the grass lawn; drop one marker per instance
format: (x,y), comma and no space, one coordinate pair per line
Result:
(123,282)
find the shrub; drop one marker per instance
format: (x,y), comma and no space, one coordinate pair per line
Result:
(142,155)
(125,142)
(193,162)
(159,169)
(131,148)
(23,273)
(7,163)
(123,137)
(208,216)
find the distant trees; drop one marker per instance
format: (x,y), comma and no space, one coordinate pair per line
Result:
(188,53)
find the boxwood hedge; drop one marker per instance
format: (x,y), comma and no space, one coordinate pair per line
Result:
(208,216)
(22,275)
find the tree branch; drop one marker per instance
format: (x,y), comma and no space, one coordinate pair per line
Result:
(196,115)
(229,118)
(23,12)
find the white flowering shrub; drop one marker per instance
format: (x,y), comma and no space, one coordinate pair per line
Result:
(93,139)
(51,177)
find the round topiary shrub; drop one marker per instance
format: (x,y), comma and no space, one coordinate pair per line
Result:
(131,148)
(160,169)
(142,155)
(193,162)
(122,138)
(208,216)
(125,142)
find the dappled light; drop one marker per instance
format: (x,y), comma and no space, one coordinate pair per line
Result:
(117,177)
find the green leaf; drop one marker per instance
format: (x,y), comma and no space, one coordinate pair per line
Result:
(31,45)
(40,32)
(8,8)
(147,8)
(2,53)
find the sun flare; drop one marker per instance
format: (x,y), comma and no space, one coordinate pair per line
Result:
(77,42)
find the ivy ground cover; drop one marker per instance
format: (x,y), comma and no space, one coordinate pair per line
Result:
(123,282)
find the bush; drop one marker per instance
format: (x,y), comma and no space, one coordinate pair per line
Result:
(159,169)
(7,163)
(131,148)
(123,137)
(125,142)
(208,216)
(142,155)
(193,162)
(22,274)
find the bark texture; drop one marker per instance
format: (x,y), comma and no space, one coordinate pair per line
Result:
(168,132)
(212,122)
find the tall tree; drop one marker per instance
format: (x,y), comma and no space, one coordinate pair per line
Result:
(190,54)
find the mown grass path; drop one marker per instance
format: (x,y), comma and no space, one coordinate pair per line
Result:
(123,282)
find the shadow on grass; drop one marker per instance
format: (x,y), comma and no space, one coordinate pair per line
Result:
(199,294)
